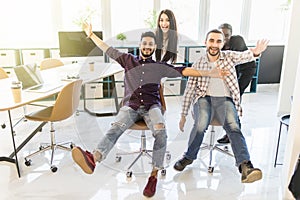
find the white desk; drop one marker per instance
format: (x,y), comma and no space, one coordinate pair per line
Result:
(51,75)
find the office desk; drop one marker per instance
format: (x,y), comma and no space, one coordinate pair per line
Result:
(59,74)
(7,104)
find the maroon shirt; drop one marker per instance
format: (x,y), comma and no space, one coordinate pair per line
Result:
(142,78)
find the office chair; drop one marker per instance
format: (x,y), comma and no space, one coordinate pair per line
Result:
(64,107)
(48,63)
(3,73)
(143,151)
(211,146)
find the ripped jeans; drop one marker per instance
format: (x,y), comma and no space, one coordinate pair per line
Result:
(126,118)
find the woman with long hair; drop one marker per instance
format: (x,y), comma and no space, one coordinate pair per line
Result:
(167,37)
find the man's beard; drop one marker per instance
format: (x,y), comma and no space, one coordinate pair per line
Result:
(213,54)
(147,55)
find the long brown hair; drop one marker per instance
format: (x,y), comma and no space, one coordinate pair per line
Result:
(171,53)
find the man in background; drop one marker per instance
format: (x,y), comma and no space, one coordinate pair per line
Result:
(244,71)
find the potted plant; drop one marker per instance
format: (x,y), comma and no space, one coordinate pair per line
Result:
(122,37)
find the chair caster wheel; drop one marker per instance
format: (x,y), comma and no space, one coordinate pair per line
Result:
(168,157)
(118,158)
(129,174)
(27,162)
(3,126)
(226,148)
(53,168)
(210,170)
(163,172)
(72,145)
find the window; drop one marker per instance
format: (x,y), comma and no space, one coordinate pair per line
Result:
(129,17)
(268,20)
(72,16)
(25,24)
(228,11)
(187,16)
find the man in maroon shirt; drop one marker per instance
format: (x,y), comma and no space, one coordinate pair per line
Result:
(141,101)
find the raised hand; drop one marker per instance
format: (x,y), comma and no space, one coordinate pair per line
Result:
(87,28)
(261,46)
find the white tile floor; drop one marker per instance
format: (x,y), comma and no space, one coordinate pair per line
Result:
(259,124)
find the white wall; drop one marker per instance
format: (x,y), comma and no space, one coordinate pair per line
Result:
(290,61)
(290,85)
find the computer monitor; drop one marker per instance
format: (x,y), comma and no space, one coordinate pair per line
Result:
(76,44)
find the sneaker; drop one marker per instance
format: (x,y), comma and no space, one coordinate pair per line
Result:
(249,173)
(84,159)
(150,188)
(224,140)
(182,163)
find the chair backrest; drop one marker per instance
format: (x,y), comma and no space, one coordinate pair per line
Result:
(162,98)
(3,73)
(67,101)
(141,125)
(50,63)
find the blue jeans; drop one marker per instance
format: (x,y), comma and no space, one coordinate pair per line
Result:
(126,118)
(222,109)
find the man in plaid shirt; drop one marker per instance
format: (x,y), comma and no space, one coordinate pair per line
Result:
(218,99)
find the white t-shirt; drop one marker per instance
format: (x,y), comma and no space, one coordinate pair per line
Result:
(217,87)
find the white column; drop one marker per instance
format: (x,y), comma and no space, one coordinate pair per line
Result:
(106,19)
(292,149)
(290,59)
(290,86)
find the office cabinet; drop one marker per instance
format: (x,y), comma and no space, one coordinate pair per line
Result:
(93,90)
(120,89)
(54,53)
(194,53)
(8,58)
(181,55)
(32,56)
(172,86)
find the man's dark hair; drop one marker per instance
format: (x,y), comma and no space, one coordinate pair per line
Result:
(148,34)
(214,31)
(226,25)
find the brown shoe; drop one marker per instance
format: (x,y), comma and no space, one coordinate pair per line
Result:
(84,159)
(249,173)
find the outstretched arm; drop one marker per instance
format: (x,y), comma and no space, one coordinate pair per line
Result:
(88,31)
(214,73)
(261,45)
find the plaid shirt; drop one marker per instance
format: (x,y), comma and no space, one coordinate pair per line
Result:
(197,86)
